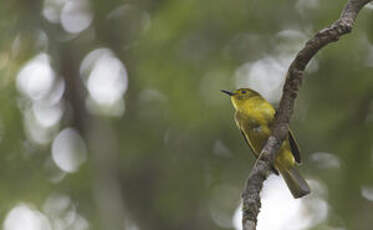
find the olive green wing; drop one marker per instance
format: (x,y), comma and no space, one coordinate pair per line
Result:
(249,143)
(294,147)
(252,149)
(237,120)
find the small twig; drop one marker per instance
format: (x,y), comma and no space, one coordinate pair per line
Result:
(262,168)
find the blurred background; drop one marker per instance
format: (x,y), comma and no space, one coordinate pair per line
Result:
(111,115)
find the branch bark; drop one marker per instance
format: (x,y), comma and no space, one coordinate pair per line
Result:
(262,168)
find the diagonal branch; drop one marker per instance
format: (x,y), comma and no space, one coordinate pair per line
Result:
(262,168)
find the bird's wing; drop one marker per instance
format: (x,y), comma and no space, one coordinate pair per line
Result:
(247,140)
(249,143)
(294,147)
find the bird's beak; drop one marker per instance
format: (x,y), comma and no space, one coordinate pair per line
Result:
(227,92)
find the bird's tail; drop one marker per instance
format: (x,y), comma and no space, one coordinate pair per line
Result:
(295,182)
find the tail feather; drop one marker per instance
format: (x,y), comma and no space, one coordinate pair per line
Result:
(295,182)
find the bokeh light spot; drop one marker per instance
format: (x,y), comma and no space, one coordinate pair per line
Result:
(325,160)
(76,16)
(369,6)
(280,211)
(35,131)
(56,204)
(367,192)
(63,213)
(220,206)
(305,5)
(290,41)
(36,78)
(267,76)
(47,116)
(23,217)
(52,10)
(106,79)
(69,150)
(221,149)
(54,174)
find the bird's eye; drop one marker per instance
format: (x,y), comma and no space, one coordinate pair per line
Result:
(243,91)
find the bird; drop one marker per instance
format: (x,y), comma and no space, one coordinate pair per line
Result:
(254,117)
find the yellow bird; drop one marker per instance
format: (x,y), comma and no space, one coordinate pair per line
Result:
(254,116)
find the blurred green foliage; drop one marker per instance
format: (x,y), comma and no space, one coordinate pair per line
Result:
(177,142)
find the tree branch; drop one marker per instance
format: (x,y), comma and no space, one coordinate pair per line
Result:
(294,76)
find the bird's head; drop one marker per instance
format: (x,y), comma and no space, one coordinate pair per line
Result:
(240,96)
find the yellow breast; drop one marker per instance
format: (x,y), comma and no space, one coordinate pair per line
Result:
(254,117)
